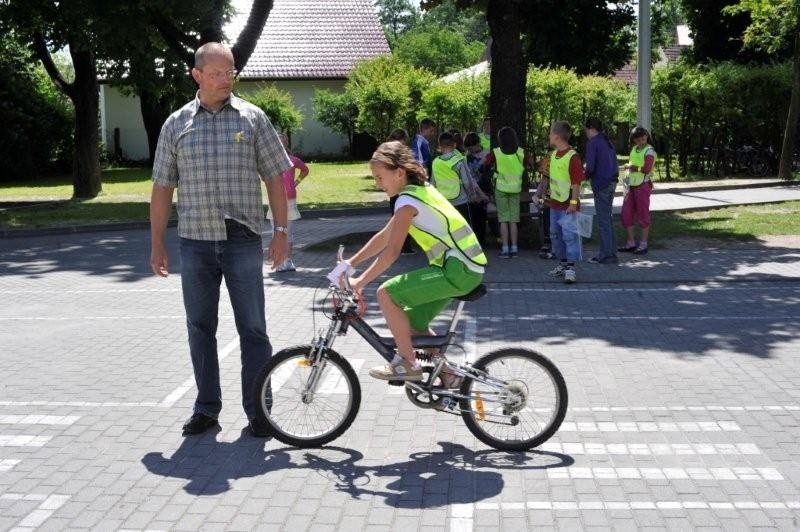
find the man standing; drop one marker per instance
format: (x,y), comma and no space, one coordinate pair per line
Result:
(421,146)
(217,148)
(602,171)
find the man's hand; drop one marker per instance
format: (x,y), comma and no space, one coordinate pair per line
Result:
(278,249)
(159,261)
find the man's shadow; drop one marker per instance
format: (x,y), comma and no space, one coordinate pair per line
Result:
(209,465)
(455,475)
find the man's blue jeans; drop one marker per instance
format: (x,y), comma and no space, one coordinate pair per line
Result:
(566,244)
(239,259)
(603,204)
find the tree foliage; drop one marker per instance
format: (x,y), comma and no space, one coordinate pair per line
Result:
(38,136)
(720,37)
(438,50)
(397,16)
(278,105)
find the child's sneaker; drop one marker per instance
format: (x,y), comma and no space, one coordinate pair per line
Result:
(546,253)
(558,271)
(401,371)
(505,255)
(513,253)
(569,275)
(287,266)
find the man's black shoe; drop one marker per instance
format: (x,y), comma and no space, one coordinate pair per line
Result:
(258,428)
(198,424)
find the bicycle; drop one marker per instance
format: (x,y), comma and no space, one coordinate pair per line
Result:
(512,399)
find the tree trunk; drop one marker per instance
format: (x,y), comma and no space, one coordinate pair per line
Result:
(155,111)
(789,134)
(86,99)
(509,67)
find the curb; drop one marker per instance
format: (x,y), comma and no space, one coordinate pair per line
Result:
(338,213)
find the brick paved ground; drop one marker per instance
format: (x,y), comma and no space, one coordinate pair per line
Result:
(681,366)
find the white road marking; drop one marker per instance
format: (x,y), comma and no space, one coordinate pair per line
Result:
(551,317)
(36,419)
(640,505)
(88,404)
(178,392)
(35,519)
(654,426)
(23,440)
(679,288)
(461,517)
(693,408)
(6,464)
(667,473)
(654,449)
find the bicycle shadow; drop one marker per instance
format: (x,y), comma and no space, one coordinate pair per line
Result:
(455,475)
(210,465)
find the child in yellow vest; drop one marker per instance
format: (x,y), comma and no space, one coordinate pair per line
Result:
(636,205)
(510,162)
(564,181)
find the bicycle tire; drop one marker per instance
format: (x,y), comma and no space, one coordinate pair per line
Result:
(516,445)
(262,390)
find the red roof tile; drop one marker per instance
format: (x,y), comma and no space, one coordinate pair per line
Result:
(313,39)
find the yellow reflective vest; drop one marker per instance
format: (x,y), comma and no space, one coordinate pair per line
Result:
(459,234)
(560,182)
(508,177)
(637,158)
(445,176)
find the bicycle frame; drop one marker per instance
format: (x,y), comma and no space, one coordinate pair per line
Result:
(346,316)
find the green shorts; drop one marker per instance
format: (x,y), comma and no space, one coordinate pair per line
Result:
(424,293)
(507,206)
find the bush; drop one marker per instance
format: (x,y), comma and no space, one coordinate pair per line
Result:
(279,107)
(388,94)
(461,104)
(560,94)
(337,111)
(701,111)
(37,137)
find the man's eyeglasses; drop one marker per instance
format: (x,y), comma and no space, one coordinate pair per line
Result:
(217,75)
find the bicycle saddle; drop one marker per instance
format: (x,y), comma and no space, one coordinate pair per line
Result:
(477,293)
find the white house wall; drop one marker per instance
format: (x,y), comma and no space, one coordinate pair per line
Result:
(123,112)
(314,139)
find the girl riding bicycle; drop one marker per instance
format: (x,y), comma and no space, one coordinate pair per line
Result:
(410,301)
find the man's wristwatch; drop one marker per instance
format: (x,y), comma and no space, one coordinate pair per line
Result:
(280,229)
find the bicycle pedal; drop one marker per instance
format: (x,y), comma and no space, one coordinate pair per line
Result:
(397,383)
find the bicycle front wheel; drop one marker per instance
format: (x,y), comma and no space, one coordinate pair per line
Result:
(521,406)
(307,405)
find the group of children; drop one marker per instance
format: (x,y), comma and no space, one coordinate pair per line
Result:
(476,179)
(479,180)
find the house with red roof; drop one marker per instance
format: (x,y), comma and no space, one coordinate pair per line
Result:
(305,45)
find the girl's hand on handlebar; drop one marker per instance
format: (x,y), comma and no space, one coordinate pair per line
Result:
(341,269)
(357,283)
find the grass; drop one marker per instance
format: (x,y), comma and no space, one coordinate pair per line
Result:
(126,194)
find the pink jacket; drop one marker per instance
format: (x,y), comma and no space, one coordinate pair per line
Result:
(289,179)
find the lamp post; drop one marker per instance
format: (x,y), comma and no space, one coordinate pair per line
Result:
(643,113)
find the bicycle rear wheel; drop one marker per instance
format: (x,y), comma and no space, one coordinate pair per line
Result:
(304,419)
(522,413)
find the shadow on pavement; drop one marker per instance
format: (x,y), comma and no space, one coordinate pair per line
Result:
(426,480)
(456,475)
(210,465)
